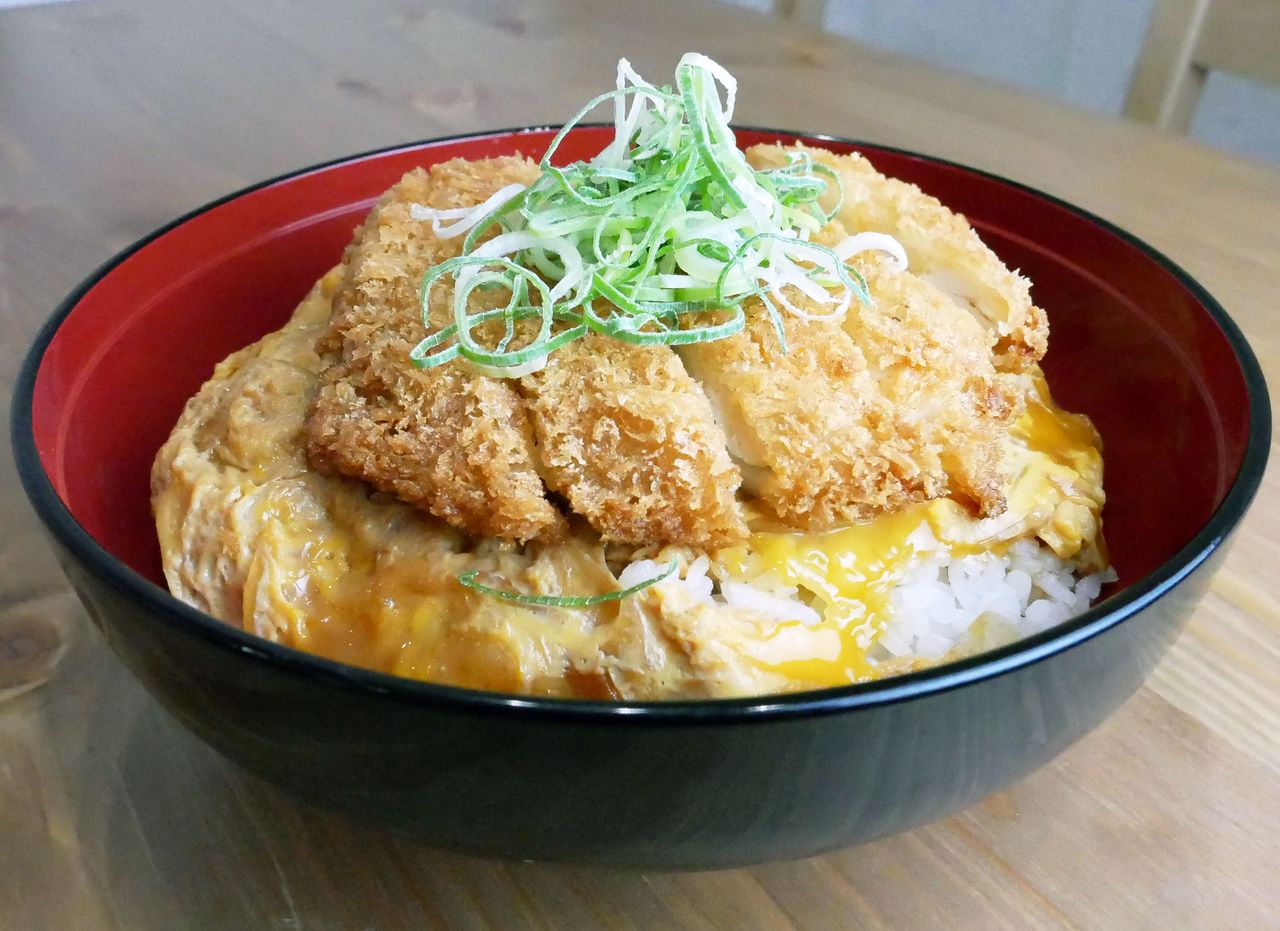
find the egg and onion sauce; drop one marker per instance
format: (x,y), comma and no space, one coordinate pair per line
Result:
(252,534)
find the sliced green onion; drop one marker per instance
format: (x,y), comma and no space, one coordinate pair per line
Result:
(468,579)
(667,220)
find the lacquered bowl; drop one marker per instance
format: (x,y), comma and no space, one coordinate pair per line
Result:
(1136,344)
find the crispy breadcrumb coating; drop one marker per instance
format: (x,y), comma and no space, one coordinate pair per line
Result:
(933,367)
(806,424)
(457,445)
(628,438)
(941,246)
(897,402)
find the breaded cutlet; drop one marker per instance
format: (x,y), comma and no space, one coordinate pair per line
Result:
(899,402)
(629,439)
(805,424)
(933,366)
(457,445)
(940,244)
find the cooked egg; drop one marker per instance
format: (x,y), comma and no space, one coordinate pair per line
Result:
(325,565)
(251,533)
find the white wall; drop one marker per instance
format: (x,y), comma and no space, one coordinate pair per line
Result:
(1080,51)
(1240,115)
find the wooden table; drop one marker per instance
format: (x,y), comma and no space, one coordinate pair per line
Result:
(115,117)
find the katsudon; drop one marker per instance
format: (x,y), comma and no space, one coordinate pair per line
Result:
(680,421)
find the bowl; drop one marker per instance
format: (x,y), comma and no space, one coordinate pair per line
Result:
(1137,344)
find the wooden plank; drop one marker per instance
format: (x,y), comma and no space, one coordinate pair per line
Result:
(1185,40)
(1166,82)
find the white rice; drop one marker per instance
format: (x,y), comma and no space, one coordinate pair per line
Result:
(942,603)
(938,604)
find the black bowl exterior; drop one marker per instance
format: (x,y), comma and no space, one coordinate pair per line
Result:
(539,781)
(682,785)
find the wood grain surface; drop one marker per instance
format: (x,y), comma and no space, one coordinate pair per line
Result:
(115,117)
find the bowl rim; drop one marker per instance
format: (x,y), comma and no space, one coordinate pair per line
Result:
(1108,613)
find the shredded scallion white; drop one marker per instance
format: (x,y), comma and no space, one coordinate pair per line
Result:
(668,220)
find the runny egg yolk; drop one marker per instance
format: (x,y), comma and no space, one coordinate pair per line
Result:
(848,574)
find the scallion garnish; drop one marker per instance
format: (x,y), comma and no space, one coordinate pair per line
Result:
(561,601)
(668,220)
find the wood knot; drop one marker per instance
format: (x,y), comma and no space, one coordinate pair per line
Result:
(30,648)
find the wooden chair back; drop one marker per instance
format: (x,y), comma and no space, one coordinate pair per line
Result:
(1189,38)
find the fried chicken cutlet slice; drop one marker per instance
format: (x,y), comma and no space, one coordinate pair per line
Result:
(898,401)
(807,425)
(932,362)
(457,445)
(629,439)
(941,246)
(621,431)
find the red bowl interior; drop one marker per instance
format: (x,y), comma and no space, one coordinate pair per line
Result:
(1131,344)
